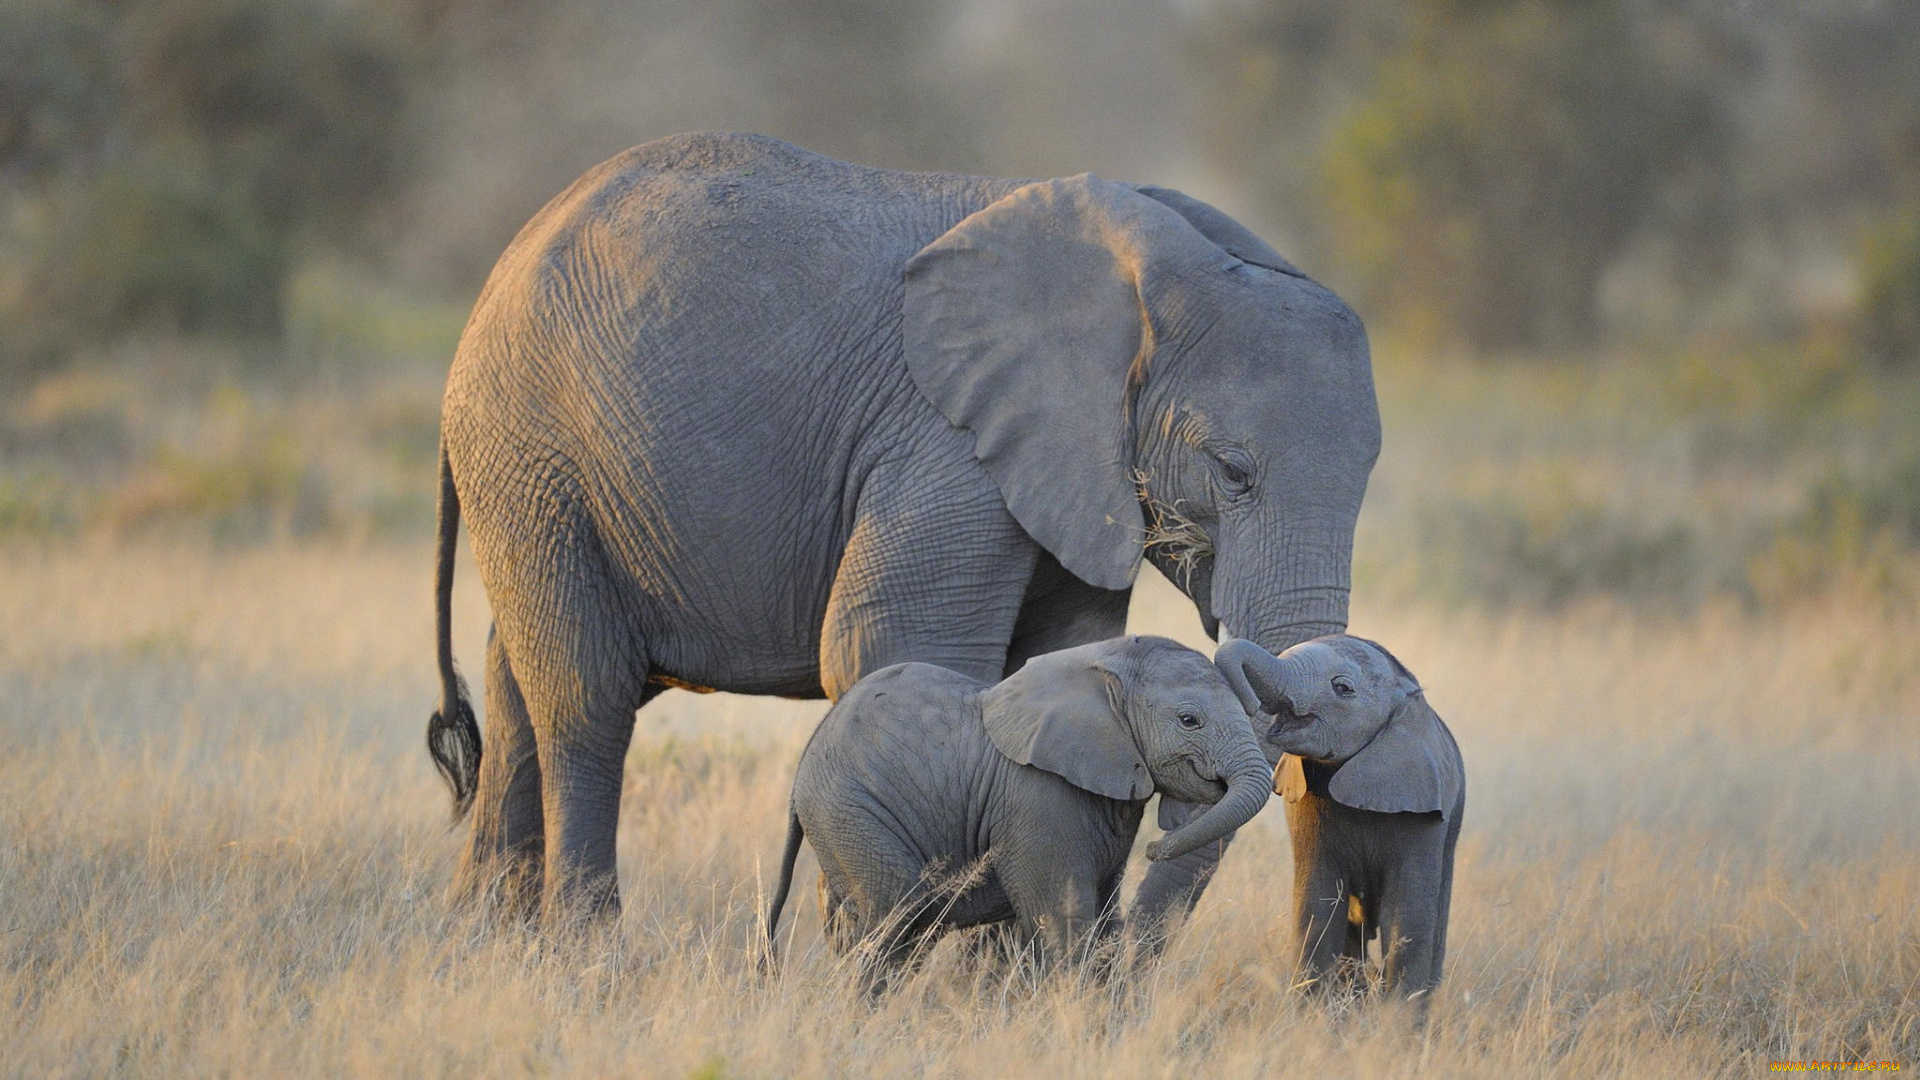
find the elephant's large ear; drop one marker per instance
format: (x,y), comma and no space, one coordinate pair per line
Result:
(1412,766)
(1234,238)
(1026,324)
(1061,713)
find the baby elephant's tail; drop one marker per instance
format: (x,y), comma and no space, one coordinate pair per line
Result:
(787,858)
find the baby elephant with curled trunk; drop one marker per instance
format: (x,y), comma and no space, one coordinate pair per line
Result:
(1375,791)
(919,773)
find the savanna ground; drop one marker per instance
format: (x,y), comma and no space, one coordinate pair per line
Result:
(1667,605)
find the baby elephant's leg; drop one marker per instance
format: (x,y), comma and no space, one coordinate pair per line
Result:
(1362,925)
(1446,896)
(1410,931)
(1061,910)
(876,892)
(1322,898)
(835,921)
(896,914)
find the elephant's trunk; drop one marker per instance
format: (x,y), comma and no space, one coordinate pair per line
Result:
(1255,675)
(1284,582)
(1246,793)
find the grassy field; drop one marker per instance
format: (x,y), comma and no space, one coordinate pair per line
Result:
(1668,610)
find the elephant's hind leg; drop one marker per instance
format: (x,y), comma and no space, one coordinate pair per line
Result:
(581,665)
(882,901)
(502,860)
(583,726)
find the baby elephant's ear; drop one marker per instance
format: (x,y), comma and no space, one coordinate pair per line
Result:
(1061,713)
(1412,766)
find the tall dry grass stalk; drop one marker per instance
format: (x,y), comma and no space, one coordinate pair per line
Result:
(1688,851)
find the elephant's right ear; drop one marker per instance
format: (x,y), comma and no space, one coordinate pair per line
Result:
(1412,766)
(1234,238)
(1026,325)
(1061,713)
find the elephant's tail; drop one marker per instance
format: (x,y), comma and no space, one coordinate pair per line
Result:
(453,737)
(787,858)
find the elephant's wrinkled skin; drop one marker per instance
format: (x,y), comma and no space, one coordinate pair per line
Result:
(919,771)
(729,415)
(1375,793)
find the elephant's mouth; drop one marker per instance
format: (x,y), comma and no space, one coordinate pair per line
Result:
(1207,775)
(1288,721)
(1287,728)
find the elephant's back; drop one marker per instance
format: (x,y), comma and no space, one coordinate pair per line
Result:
(701,294)
(902,751)
(743,232)
(913,708)
(744,155)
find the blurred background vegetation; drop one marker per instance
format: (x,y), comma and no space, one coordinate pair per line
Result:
(1643,277)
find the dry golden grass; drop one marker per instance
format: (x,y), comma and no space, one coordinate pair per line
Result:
(1688,851)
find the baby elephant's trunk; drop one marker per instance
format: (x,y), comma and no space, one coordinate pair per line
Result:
(1246,793)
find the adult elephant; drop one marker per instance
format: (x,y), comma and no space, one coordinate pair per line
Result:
(730,415)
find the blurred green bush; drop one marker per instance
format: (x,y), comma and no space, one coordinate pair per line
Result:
(155,449)
(1537,549)
(166,164)
(1508,154)
(1526,549)
(1534,176)
(1854,529)
(1889,319)
(1517,176)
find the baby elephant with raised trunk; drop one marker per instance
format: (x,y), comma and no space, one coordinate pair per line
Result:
(918,774)
(1375,791)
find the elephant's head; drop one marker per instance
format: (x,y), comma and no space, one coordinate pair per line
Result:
(1126,717)
(1346,701)
(1141,374)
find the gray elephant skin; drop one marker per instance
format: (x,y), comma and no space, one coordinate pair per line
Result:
(732,416)
(918,772)
(1375,791)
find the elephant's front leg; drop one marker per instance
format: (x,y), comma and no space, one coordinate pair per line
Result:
(1061,872)
(1059,611)
(934,572)
(1330,945)
(1410,931)
(1171,888)
(1062,916)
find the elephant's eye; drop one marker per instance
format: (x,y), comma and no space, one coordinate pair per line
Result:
(1236,470)
(1190,721)
(1343,686)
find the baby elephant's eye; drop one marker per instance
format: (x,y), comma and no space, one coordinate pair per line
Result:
(1190,721)
(1342,686)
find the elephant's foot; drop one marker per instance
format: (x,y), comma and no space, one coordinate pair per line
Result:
(505,888)
(579,903)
